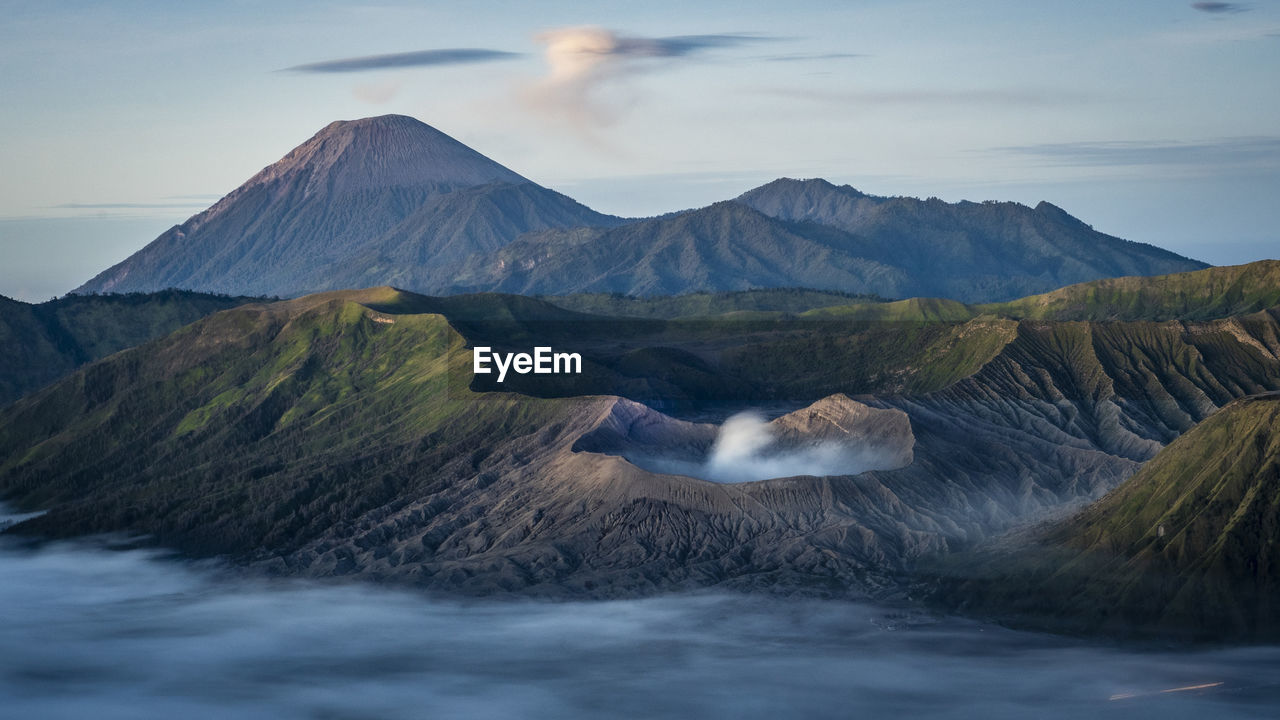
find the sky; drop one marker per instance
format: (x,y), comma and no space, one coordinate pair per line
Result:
(1153,120)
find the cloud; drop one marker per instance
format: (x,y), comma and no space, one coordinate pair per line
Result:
(928,96)
(130,206)
(127,633)
(583,61)
(421,58)
(1239,152)
(796,57)
(1219,7)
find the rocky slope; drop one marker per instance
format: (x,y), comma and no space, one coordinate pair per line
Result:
(339,435)
(973,252)
(723,247)
(891,247)
(833,436)
(1185,548)
(323,437)
(1066,411)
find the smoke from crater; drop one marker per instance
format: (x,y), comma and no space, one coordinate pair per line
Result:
(747,449)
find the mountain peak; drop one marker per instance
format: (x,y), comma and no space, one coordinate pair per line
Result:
(786,185)
(389,120)
(381,152)
(370,201)
(384,128)
(1045,207)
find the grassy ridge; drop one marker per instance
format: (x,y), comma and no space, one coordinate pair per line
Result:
(41,343)
(262,427)
(912,346)
(698,304)
(1201,295)
(44,342)
(912,310)
(1185,548)
(298,430)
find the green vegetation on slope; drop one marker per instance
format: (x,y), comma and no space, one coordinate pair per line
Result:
(330,436)
(1200,295)
(342,434)
(1185,548)
(913,310)
(865,357)
(911,346)
(738,358)
(666,307)
(260,427)
(690,351)
(1208,294)
(41,343)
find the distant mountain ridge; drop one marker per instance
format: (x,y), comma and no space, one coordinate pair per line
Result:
(891,247)
(390,200)
(974,252)
(356,201)
(722,247)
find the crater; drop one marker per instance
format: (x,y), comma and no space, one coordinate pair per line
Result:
(832,437)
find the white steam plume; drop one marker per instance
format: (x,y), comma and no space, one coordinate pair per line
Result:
(582,61)
(746,450)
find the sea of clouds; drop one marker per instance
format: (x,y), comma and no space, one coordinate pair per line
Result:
(92,632)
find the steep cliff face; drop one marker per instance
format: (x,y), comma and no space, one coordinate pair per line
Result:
(1184,548)
(847,422)
(1066,411)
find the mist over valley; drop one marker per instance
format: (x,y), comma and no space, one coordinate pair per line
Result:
(129,633)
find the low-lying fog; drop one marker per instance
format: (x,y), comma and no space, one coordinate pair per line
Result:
(89,632)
